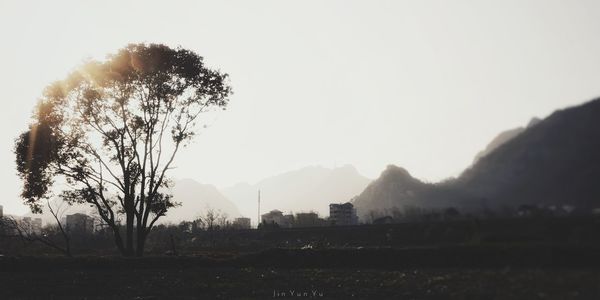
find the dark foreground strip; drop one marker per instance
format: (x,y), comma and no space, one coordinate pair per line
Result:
(377,258)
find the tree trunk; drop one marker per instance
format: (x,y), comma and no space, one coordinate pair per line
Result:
(141,241)
(129,235)
(68,248)
(119,240)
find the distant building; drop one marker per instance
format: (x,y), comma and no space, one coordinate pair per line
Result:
(342,214)
(272,217)
(80,223)
(36,225)
(277,217)
(31,226)
(241,223)
(309,219)
(1,211)
(287,221)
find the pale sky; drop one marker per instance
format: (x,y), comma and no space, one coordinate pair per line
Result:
(421,84)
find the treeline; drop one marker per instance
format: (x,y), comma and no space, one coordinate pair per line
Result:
(220,237)
(412,213)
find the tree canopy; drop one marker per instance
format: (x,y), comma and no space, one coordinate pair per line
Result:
(108,134)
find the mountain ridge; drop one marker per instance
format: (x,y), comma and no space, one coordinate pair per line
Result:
(549,162)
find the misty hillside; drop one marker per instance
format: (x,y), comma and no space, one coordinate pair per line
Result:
(310,188)
(554,161)
(396,188)
(393,186)
(196,198)
(502,138)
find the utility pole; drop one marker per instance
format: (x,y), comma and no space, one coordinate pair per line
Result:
(258,219)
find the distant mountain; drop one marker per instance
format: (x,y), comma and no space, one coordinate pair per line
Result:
(244,196)
(397,189)
(555,161)
(394,186)
(196,198)
(502,138)
(310,188)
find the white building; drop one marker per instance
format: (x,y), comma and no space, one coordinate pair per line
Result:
(272,217)
(241,223)
(80,223)
(277,217)
(342,214)
(31,226)
(308,219)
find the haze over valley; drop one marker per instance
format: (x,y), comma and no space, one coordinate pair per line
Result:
(300,149)
(420,85)
(546,162)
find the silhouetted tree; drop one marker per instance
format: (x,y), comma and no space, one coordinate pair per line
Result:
(397,214)
(110,131)
(24,231)
(4,226)
(373,215)
(451,213)
(413,213)
(211,219)
(57,214)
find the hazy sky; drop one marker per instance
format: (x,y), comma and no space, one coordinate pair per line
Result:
(420,84)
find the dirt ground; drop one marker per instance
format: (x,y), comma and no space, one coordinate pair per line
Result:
(276,283)
(470,272)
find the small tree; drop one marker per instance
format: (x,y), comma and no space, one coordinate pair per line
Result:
(110,132)
(25,232)
(211,219)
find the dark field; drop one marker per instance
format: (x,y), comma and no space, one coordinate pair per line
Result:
(543,258)
(263,283)
(455,273)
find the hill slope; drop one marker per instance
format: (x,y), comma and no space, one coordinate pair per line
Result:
(196,198)
(397,189)
(502,138)
(554,161)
